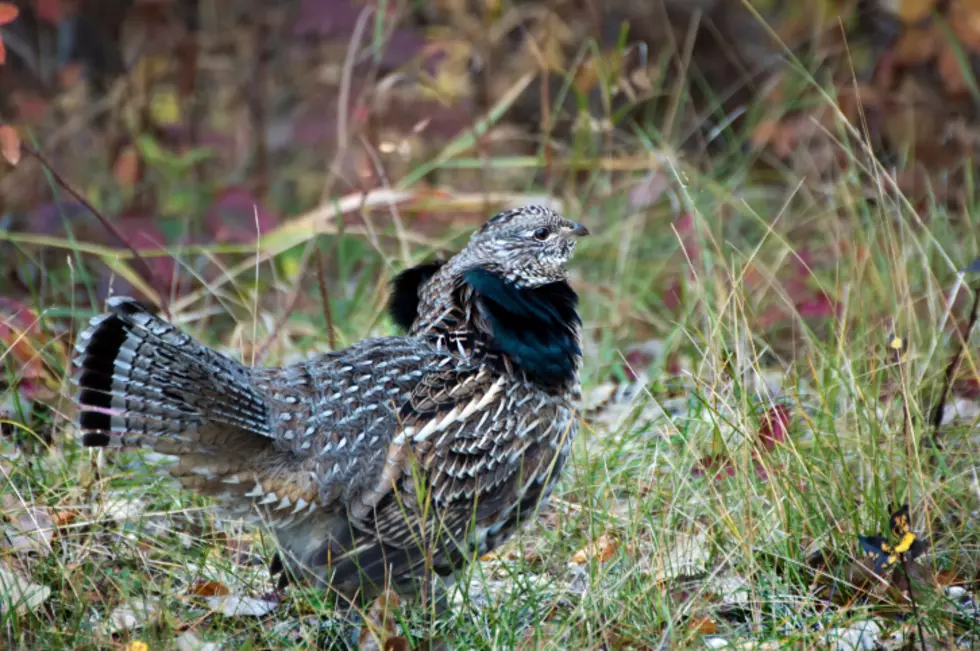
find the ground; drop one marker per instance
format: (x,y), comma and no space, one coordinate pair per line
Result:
(778,305)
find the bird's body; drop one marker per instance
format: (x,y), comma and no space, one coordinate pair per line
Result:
(385,461)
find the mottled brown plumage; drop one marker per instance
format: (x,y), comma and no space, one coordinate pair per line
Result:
(393,458)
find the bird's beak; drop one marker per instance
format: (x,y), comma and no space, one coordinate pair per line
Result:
(580,230)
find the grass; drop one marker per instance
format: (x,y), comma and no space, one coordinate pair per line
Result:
(666,557)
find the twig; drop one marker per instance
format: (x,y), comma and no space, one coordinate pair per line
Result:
(321,274)
(137,258)
(951,368)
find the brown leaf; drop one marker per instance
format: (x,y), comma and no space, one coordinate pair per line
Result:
(210,589)
(601,550)
(379,624)
(65,517)
(397,643)
(132,615)
(9,140)
(913,11)
(964,19)
(703,625)
(126,169)
(951,72)
(916,46)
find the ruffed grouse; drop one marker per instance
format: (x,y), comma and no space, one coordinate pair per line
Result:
(395,457)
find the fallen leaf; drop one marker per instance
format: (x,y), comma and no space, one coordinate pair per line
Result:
(601,550)
(241,606)
(703,625)
(65,517)
(712,463)
(8,13)
(210,589)
(9,140)
(187,641)
(137,645)
(913,11)
(121,506)
(31,527)
(20,595)
(379,624)
(951,72)
(916,46)
(131,616)
(964,19)
(397,643)
(126,169)
(687,556)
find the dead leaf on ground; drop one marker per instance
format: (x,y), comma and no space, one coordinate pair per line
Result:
(188,641)
(9,144)
(30,528)
(911,12)
(210,589)
(380,626)
(131,616)
(121,507)
(951,72)
(702,625)
(916,46)
(601,550)
(964,19)
(19,594)
(687,555)
(242,606)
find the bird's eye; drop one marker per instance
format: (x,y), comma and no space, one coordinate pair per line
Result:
(542,234)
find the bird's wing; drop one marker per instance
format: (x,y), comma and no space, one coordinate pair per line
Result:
(468,443)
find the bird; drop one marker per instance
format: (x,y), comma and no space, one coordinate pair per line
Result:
(386,463)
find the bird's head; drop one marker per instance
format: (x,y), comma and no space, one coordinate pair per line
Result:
(527,246)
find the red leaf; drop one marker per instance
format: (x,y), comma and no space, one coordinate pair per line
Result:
(817,306)
(24,339)
(720,465)
(673,295)
(775,426)
(684,225)
(51,11)
(234,215)
(8,13)
(9,143)
(636,360)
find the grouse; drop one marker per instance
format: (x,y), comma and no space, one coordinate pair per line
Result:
(382,463)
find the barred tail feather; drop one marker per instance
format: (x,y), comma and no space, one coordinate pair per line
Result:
(143,382)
